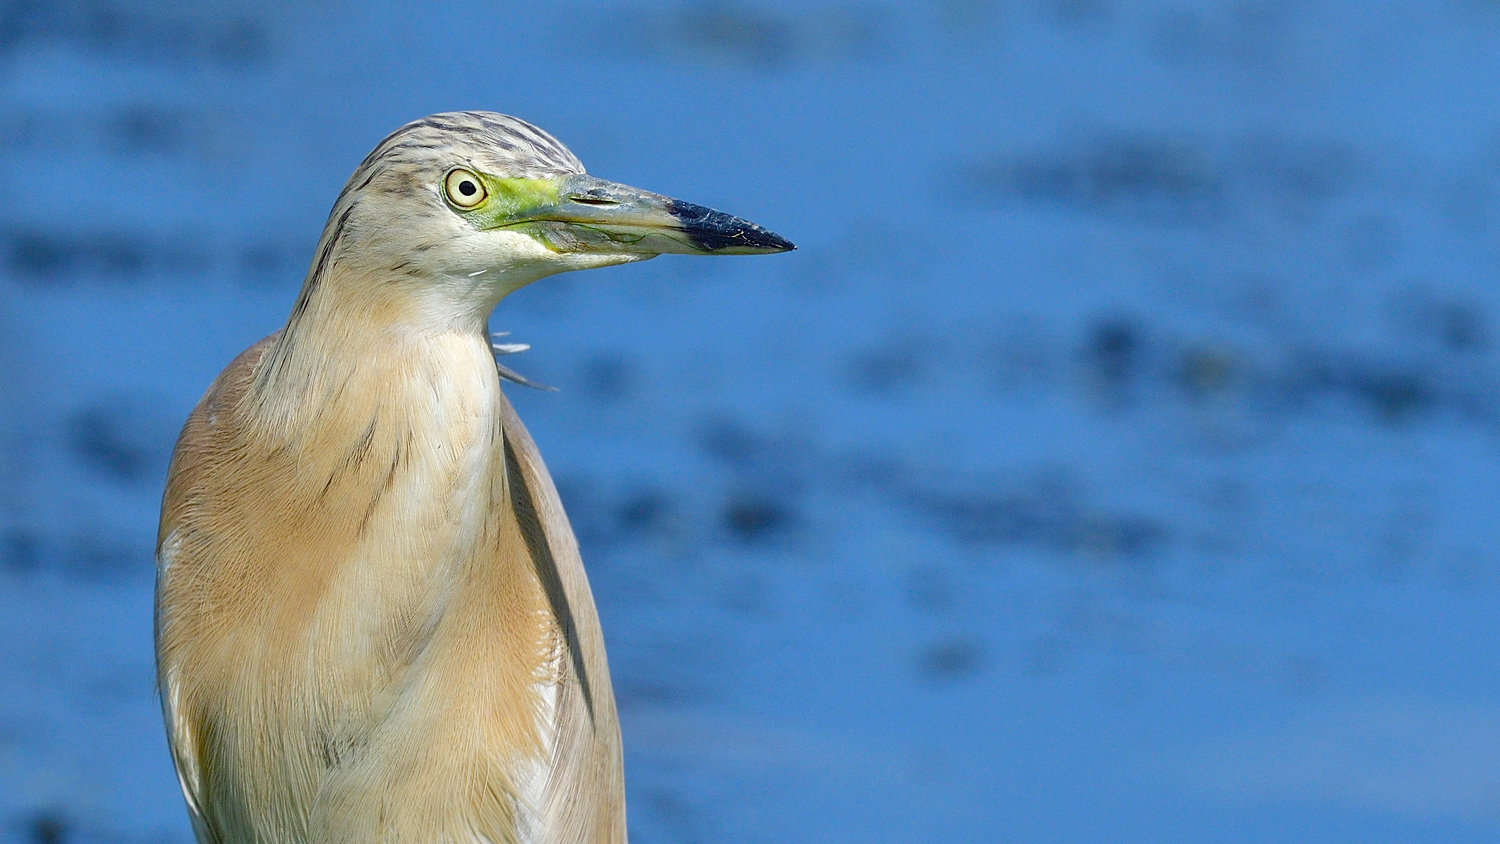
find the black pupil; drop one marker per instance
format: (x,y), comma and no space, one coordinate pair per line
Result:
(467,188)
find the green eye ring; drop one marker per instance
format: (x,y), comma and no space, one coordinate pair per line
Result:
(463,189)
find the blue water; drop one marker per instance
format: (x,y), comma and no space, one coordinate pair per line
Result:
(1115,460)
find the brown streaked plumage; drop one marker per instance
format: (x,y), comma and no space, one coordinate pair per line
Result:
(373,624)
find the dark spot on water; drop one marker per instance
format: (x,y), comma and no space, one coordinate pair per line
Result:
(1448,324)
(1394,395)
(1461,327)
(1107,536)
(1206,371)
(609,378)
(644,512)
(587,513)
(142,30)
(121,438)
(239,43)
(676,820)
(52,257)
(727,440)
(667,804)
(140,130)
(267,262)
(48,827)
(1044,512)
(37,256)
(1080,12)
(1250,34)
(1300,174)
(756,518)
(747,34)
(1393,391)
(667,671)
(99,559)
(886,370)
(737,32)
(20,130)
(22,550)
(119,257)
(1113,355)
(1153,177)
(98,440)
(636,691)
(950,659)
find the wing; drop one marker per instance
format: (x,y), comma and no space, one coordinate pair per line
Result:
(195,442)
(184,746)
(583,797)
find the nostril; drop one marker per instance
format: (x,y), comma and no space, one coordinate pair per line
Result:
(594,200)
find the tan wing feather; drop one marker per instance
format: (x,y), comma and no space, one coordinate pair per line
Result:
(182,738)
(585,790)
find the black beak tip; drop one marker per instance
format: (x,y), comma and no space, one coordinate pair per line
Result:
(758,239)
(715,231)
(777,242)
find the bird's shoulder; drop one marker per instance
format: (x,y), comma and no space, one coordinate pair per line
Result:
(211,428)
(227,391)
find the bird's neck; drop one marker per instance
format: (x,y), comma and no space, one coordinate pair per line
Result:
(389,444)
(353,343)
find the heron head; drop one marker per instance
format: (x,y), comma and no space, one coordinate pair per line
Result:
(486,203)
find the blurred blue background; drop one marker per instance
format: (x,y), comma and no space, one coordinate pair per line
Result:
(1116,459)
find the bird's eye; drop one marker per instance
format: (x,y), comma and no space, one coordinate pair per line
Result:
(464,189)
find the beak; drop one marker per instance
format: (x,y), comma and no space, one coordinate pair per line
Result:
(594,215)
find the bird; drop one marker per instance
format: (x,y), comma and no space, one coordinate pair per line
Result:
(372,621)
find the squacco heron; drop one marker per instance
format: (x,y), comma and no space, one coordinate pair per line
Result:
(372,622)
